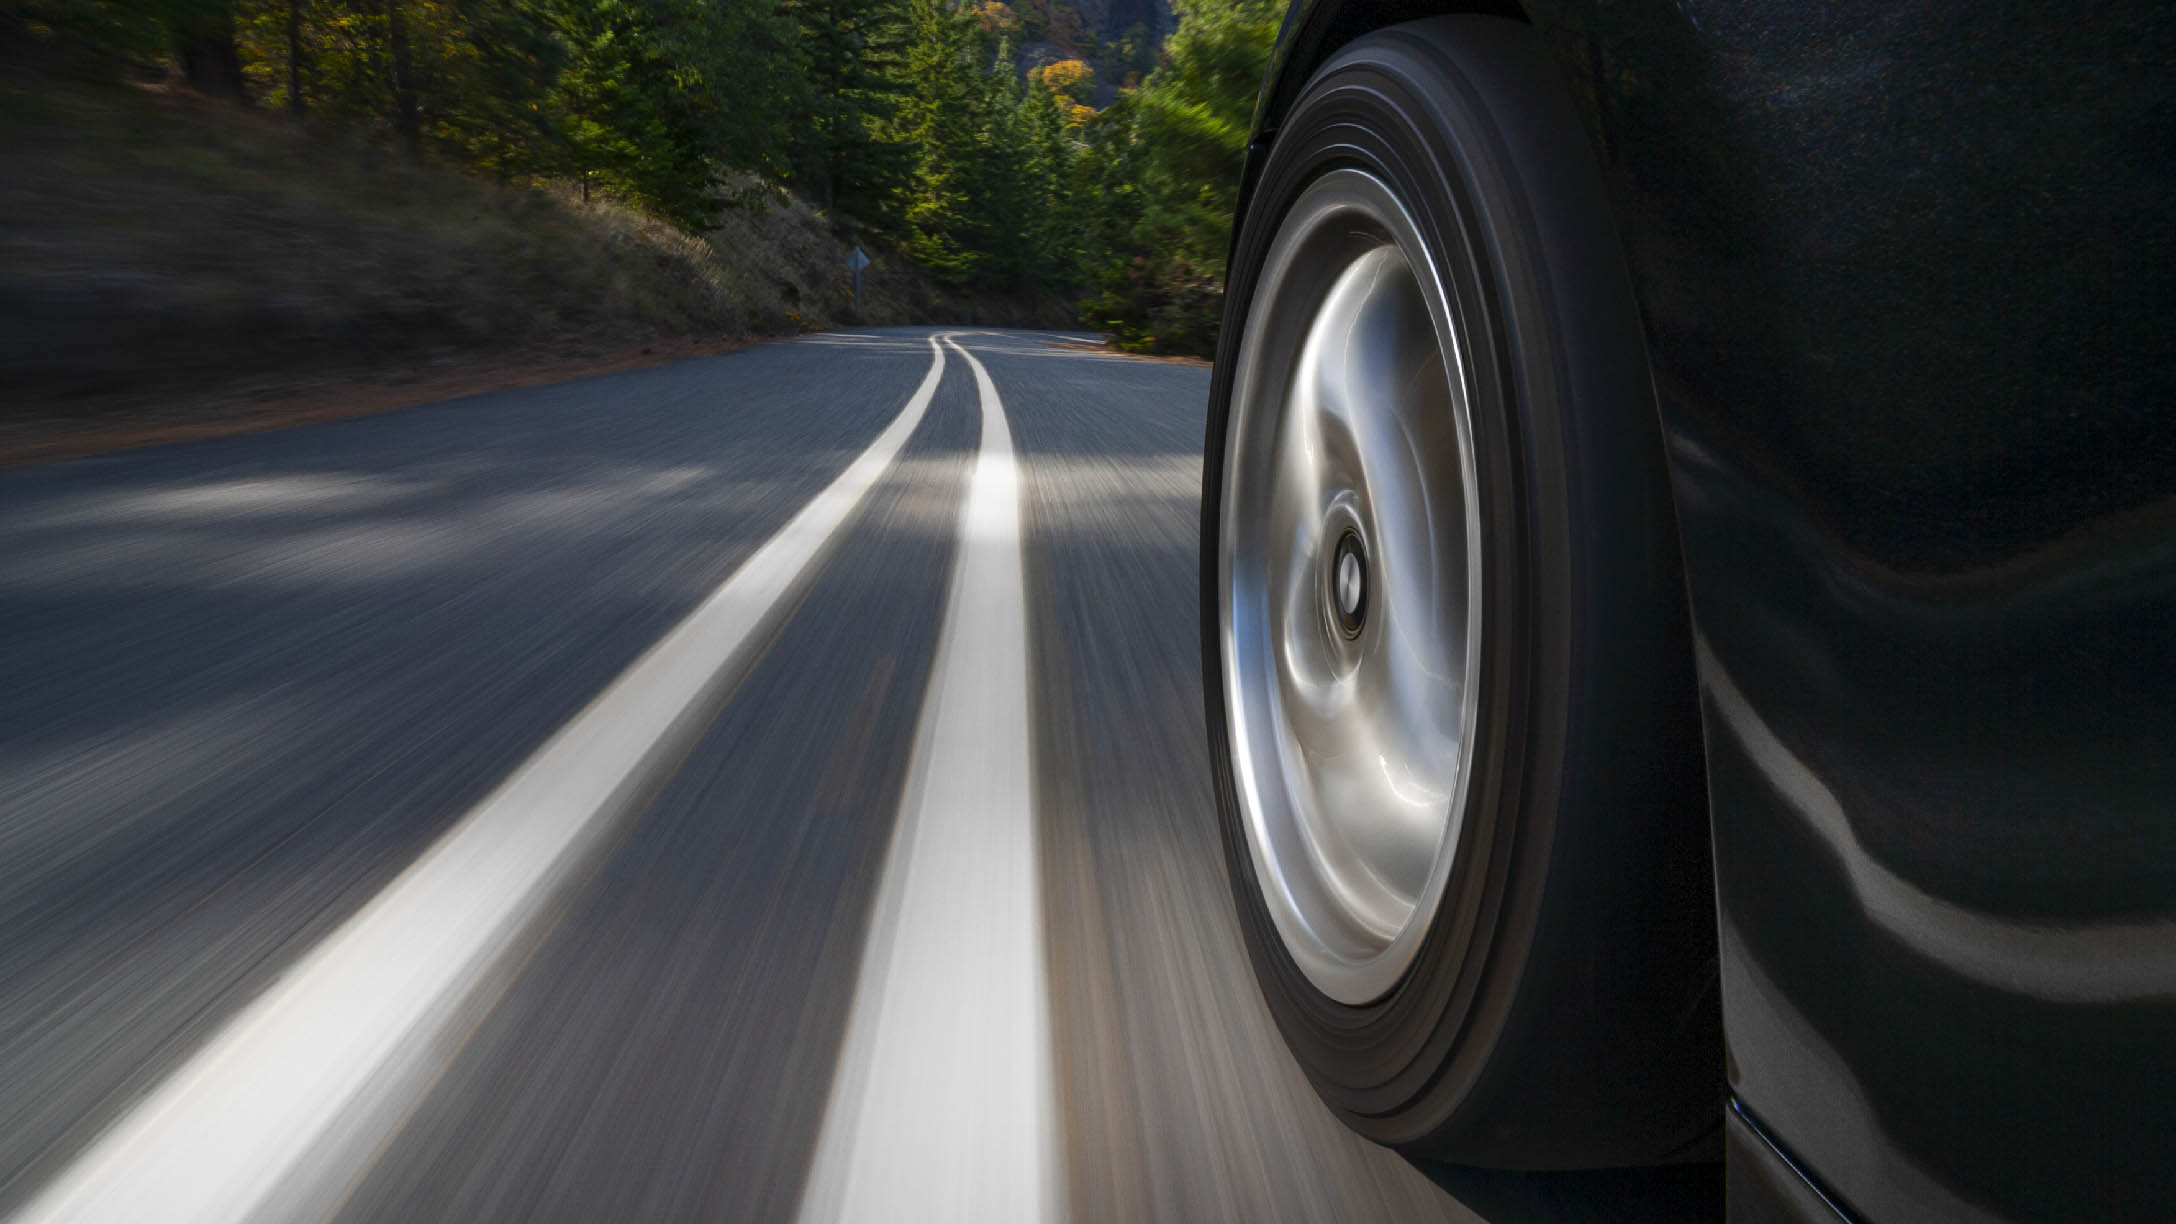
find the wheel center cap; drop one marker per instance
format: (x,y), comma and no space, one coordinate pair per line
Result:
(1349,584)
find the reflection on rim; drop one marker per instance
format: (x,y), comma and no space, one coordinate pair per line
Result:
(1349,585)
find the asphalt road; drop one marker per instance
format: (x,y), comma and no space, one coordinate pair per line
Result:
(641,798)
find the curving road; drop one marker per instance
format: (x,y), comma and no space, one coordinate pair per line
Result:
(764,787)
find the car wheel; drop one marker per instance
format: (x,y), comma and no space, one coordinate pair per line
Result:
(1450,687)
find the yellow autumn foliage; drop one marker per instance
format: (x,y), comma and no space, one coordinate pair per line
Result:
(1070,79)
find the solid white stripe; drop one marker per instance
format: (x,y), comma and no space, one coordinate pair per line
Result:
(281,1087)
(942,1108)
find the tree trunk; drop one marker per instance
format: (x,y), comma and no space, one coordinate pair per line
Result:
(407,114)
(204,43)
(294,56)
(828,141)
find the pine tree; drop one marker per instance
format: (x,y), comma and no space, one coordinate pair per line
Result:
(1167,162)
(843,156)
(659,96)
(940,119)
(1052,232)
(907,120)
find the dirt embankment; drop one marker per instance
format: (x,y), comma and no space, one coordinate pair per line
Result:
(168,264)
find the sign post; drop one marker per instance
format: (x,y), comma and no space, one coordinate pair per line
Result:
(855,262)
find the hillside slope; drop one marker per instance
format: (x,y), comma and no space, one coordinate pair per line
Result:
(158,243)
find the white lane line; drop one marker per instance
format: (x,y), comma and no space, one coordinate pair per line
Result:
(942,1108)
(279,1112)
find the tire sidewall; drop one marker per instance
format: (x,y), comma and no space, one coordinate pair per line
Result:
(1419,1066)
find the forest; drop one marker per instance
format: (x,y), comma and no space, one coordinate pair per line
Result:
(998,146)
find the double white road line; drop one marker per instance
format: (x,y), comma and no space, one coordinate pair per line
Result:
(942,1107)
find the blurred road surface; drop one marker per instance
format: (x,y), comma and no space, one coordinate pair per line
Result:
(746,789)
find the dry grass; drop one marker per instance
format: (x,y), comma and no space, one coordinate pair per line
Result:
(784,262)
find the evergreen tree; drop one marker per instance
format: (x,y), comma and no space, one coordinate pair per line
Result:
(1052,233)
(1007,208)
(843,155)
(1168,161)
(941,121)
(659,96)
(907,120)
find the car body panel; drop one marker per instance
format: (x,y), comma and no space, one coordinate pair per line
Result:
(1906,272)
(1764,1185)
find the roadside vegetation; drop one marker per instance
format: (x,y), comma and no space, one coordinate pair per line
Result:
(1163,163)
(200,187)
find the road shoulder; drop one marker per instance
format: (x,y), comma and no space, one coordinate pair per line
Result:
(105,424)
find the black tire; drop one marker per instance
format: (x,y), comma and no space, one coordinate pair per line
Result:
(1562,1010)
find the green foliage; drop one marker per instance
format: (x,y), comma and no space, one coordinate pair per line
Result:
(845,154)
(130,28)
(1168,159)
(907,121)
(989,156)
(643,102)
(941,120)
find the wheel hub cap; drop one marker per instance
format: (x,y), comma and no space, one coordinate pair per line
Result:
(1349,559)
(1349,586)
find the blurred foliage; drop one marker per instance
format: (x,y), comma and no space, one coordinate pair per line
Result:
(997,18)
(1073,80)
(908,121)
(1166,161)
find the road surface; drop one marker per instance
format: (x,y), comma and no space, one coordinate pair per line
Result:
(765,787)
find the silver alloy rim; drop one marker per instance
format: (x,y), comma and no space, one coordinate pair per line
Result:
(1350,583)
